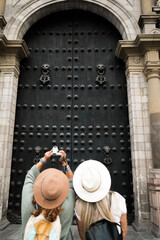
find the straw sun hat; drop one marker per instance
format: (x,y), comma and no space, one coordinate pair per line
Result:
(91,181)
(51,188)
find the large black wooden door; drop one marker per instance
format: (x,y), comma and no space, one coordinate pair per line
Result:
(72,93)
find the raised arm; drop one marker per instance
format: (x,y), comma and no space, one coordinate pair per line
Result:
(27,191)
(65,164)
(44,160)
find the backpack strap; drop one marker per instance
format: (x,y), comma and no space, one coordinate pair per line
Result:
(110,199)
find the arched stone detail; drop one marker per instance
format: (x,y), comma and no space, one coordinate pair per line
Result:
(30,13)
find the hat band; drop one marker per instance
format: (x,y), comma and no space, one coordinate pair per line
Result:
(48,199)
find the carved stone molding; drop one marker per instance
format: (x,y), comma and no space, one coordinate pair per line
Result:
(134,64)
(14,47)
(156,8)
(148,19)
(6,60)
(11,52)
(138,47)
(15,2)
(136,60)
(9,63)
(151,69)
(152,56)
(158,3)
(155,31)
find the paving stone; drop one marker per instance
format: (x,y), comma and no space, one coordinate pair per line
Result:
(147,236)
(14,232)
(75,233)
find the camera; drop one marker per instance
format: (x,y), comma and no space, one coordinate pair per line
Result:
(56,151)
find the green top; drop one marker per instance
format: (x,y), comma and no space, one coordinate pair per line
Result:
(27,206)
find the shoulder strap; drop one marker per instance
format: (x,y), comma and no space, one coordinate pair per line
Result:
(110,199)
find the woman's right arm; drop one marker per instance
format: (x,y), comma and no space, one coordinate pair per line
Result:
(124,224)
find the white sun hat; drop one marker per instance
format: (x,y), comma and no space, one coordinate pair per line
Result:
(91,181)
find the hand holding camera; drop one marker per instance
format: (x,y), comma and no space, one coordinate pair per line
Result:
(55,151)
(62,154)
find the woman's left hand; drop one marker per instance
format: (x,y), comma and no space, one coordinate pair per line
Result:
(63,157)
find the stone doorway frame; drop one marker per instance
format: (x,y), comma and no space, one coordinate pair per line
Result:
(141,152)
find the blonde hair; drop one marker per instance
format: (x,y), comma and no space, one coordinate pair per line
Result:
(88,210)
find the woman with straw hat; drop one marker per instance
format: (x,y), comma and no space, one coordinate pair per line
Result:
(48,196)
(92,183)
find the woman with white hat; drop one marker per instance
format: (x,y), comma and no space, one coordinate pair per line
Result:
(48,197)
(92,183)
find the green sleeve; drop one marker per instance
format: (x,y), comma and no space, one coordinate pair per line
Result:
(27,196)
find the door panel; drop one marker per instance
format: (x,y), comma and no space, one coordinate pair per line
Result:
(78,108)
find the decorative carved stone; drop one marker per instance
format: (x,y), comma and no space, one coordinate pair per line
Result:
(155,31)
(158,3)
(8,60)
(136,60)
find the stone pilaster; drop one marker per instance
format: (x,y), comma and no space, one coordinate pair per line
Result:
(139,132)
(145,47)
(8,83)
(10,55)
(140,141)
(148,22)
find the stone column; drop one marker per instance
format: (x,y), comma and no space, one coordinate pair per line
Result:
(146,6)
(10,56)
(152,72)
(153,78)
(2,7)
